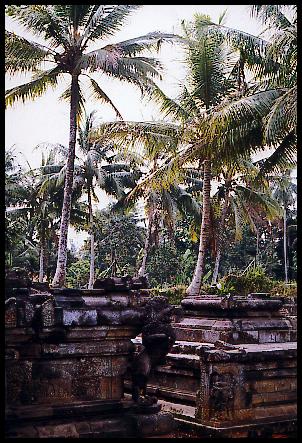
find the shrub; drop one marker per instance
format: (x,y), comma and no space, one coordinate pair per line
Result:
(255,280)
(77,275)
(175,294)
(283,289)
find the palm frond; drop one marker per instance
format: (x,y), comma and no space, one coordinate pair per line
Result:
(22,55)
(168,106)
(232,122)
(33,89)
(237,219)
(262,200)
(186,203)
(137,136)
(271,14)
(152,40)
(282,118)
(282,157)
(96,15)
(42,20)
(111,22)
(99,94)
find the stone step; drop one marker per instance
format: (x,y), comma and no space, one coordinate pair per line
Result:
(178,410)
(183,360)
(188,347)
(172,394)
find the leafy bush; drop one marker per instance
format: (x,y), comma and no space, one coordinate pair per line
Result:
(175,294)
(255,280)
(77,275)
(286,290)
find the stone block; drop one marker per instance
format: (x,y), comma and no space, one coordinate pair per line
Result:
(156,424)
(79,317)
(57,431)
(48,313)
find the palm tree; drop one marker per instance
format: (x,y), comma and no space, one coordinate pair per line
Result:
(67,31)
(42,204)
(235,125)
(96,166)
(220,116)
(99,168)
(162,208)
(273,63)
(245,201)
(146,146)
(284,191)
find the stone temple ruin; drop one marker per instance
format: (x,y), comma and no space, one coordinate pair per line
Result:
(232,370)
(66,355)
(93,363)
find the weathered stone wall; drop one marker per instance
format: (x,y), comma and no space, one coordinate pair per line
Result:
(233,366)
(67,352)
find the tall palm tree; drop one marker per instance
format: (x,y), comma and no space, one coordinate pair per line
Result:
(147,147)
(99,168)
(162,208)
(218,116)
(245,120)
(210,77)
(68,30)
(45,201)
(273,63)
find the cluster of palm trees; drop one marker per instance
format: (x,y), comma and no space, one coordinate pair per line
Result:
(218,123)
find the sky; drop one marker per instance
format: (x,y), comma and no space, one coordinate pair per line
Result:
(47,118)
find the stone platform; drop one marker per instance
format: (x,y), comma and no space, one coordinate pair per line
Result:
(232,369)
(67,352)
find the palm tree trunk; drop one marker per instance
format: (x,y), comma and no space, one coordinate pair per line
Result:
(285,246)
(142,269)
(219,239)
(196,283)
(60,274)
(41,268)
(257,247)
(92,253)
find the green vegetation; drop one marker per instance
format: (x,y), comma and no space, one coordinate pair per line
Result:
(192,208)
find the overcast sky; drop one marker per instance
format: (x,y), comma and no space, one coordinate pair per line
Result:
(47,119)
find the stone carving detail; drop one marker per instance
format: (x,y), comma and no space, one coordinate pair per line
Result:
(221,396)
(158,338)
(47,313)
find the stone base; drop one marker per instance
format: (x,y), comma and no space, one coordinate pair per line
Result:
(285,428)
(88,419)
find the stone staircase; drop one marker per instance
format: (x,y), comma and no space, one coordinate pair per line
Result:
(232,369)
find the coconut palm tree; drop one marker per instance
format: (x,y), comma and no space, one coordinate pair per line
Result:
(162,208)
(97,166)
(99,169)
(45,201)
(147,144)
(68,30)
(273,63)
(241,198)
(218,116)
(235,125)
